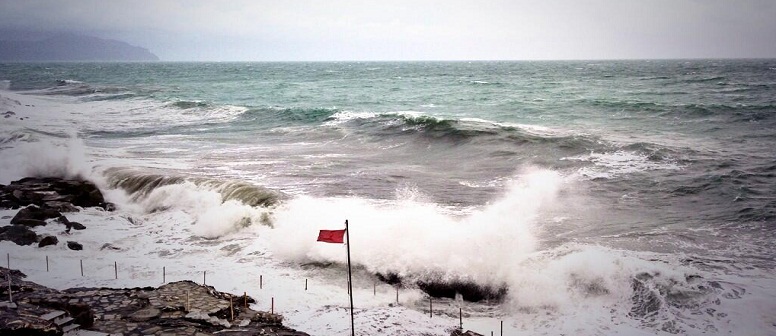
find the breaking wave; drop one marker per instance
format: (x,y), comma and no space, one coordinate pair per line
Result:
(218,207)
(460,131)
(140,185)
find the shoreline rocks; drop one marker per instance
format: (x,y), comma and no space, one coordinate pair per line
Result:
(442,288)
(43,199)
(52,193)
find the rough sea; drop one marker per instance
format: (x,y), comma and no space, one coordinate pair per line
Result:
(589,197)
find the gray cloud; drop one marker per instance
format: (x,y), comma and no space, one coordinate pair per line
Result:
(407,30)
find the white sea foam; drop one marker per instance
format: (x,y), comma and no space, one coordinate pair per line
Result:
(60,157)
(568,289)
(413,238)
(577,289)
(612,164)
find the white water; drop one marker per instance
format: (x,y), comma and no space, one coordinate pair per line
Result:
(572,289)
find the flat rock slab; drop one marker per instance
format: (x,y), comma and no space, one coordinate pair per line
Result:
(146,314)
(144,311)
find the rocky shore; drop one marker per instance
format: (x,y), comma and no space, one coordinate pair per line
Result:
(178,308)
(43,201)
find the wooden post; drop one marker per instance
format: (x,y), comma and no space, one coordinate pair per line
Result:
(245,297)
(204,278)
(164,274)
(305,284)
(460,318)
(116,269)
(272,307)
(374,289)
(397,294)
(10,291)
(430,307)
(47,265)
(8,258)
(261,281)
(502,327)
(82,267)
(231,307)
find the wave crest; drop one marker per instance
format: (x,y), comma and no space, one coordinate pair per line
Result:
(141,184)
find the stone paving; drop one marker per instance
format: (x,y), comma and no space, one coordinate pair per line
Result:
(178,308)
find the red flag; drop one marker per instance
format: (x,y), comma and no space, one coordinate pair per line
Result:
(331,236)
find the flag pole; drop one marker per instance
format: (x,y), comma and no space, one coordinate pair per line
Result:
(350,282)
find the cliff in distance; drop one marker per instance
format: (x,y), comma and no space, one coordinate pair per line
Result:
(71,47)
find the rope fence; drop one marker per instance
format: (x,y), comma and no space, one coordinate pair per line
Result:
(89,269)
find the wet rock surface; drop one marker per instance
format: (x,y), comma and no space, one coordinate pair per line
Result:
(44,200)
(51,193)
(178,308)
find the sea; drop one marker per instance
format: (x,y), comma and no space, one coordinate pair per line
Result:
(593,197)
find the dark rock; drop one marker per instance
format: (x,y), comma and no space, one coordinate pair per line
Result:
(85,193)
(459,332)
(62,220)
(390,278)
(439,288)
(77,226)
(82,314)
(19,234)
(30,222)
(34,212)
(108,206)
(8,204)
(56,192)
(74,246)
(48,240)
(61,206)
(108,246)
(469,291)
(27,197)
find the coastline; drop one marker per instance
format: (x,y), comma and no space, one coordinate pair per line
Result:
(182,307)
(33,308)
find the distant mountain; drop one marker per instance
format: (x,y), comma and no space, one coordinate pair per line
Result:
(72,47)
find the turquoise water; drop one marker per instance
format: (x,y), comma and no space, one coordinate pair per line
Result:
(672,157)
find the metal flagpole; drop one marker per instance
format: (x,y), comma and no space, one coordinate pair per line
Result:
(350,283)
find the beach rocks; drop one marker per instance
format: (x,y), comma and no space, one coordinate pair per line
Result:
(77,226)
(74,246)
(52,193)
(33,212)
(48,240)
(441,288)
(469,291)
(30,222)
(41,199)
(19,234)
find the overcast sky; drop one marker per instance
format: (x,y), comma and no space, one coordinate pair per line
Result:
(307,30)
